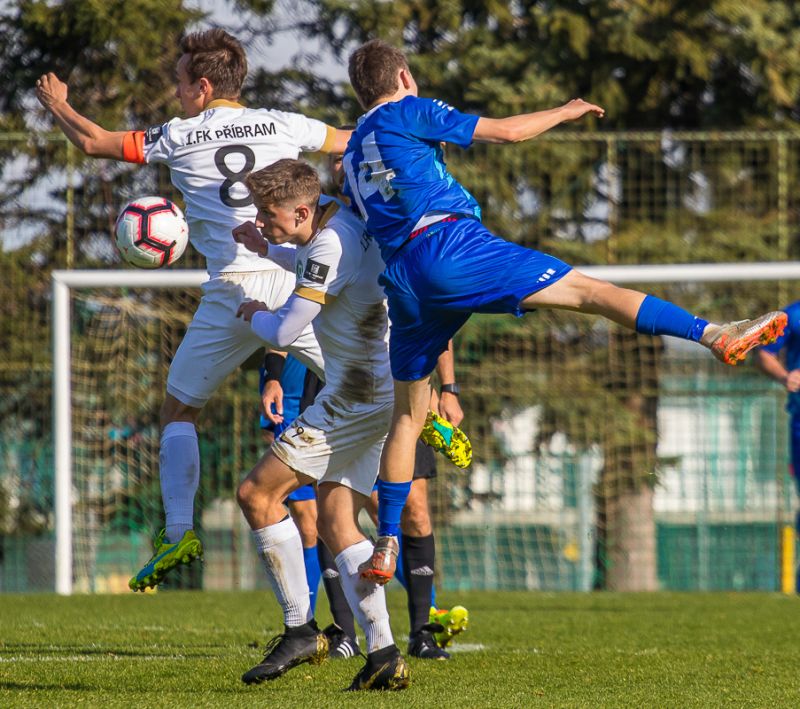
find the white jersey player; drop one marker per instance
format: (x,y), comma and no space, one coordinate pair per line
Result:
(337,441)
(209,153)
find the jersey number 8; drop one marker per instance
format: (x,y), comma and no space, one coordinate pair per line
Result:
(234,177)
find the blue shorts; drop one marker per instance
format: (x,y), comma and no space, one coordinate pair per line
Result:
(307,492)
(443,276)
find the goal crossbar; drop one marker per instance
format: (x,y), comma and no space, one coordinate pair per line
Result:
(63,281)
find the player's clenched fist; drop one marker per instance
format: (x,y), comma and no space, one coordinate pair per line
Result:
(249,307)
(249,236)
(50,90)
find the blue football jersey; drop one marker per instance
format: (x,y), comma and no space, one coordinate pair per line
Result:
(395,169)
(790,340)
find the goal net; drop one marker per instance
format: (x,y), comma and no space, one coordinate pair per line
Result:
(602,458)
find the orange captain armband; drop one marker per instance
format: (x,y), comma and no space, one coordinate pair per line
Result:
(330,138)
(133,146)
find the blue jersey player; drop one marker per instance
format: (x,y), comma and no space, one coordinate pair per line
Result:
(442,264)
(787,372)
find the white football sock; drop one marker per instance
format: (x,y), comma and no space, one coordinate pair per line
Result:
(281,552)
(180,476)
(367,600)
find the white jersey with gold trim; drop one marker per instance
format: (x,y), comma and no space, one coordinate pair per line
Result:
(209,156)
(339,268)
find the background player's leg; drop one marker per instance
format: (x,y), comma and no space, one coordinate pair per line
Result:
(340,609)
(418,551)
(304,514)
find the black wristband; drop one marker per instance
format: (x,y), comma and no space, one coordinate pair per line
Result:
(273,366)
(451,389)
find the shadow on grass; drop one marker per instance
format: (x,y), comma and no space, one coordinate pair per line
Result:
(44,687)
(34,649)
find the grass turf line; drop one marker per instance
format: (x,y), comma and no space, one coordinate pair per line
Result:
(180,649)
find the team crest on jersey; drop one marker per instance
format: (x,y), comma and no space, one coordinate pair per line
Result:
(151,135)
(315,271)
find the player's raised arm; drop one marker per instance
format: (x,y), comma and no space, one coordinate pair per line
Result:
(86,135)
(525,126)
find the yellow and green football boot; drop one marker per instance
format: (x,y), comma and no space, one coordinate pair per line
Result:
(453,622)
(166,557)
(449,440)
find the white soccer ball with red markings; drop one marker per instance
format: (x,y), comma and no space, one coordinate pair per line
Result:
(151,232)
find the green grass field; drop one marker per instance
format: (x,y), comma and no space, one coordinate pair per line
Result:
(181,649)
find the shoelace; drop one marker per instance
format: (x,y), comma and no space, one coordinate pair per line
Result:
(272,644)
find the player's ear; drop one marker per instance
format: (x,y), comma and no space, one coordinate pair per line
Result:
(302,213)
(405,80)
(205,87)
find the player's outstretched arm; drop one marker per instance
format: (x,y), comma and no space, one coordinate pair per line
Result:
(525,126)
(82,133)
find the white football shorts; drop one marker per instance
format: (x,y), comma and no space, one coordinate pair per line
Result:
(337,441)
(217,342)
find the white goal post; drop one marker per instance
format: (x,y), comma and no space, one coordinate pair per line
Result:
(63,281)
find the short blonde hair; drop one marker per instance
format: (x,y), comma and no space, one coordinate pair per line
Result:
(284,182)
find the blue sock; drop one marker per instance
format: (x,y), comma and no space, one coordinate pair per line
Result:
(391,500)
(400,570)
(433,596)
(659,317)
(313,573)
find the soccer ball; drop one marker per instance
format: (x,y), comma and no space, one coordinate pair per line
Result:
(151,232)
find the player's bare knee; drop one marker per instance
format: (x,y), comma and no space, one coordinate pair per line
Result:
(245,494)
(250,495)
